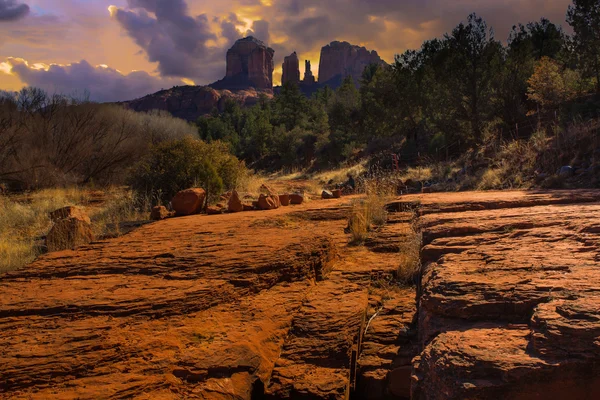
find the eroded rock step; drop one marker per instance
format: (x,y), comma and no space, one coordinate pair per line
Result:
(318,355)
(193,307)
(390,340)
(510,303)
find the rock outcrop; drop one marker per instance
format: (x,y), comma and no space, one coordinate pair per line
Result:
(249,64)
(309,78)
(291,69)
(278,305)
(192,102)
(509,298)
(341,59)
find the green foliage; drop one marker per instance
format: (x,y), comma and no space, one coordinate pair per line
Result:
(176,165)
(446,95)
(584,18)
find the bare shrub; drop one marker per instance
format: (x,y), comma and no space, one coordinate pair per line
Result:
(60,141)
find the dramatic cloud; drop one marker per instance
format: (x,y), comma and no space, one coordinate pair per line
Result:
(171,37)
(104,84)
(190,38)
(10,10)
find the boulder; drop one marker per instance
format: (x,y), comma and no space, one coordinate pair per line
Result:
(69,232)
(296,199)
(248,207)
(69,212)
(284,199)
(337,193)
(189,201)
(235,203)
(214,210)
(266,202)
(326,195)
(270,198)
(159,213)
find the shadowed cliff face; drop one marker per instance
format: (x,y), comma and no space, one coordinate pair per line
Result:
(341,59)
(291,69)
(249,64)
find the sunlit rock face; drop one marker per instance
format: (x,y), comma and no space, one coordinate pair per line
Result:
(249,64)
(341,59)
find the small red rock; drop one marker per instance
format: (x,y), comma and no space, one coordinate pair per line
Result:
(189,201)
(284,199)
(235,203)
(159,213)
(296,199)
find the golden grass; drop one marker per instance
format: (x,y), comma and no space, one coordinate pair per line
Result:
(24,219)
(250,183)
(417,174)
(370,211)
(410,256)
(340,175)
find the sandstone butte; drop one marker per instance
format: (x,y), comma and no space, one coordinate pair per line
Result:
(277,305)
(249,75)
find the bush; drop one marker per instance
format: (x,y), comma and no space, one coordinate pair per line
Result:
(180,164)
(49,141)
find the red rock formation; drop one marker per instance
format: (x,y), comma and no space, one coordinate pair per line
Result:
(341,59)
(291,69)
(309,78)
(191,102)
(249,64)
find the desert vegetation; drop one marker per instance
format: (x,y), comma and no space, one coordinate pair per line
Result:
(441,106)
(58,151)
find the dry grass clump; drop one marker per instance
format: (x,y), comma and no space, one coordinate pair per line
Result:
(120,214)
(410,256)
(370,212)
(25,220)
(340,175)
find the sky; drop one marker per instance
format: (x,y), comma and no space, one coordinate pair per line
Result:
(123,49)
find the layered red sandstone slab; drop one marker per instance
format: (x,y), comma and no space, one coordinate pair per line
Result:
(195,307)
(508,303)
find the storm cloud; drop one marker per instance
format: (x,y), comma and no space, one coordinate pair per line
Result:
(103,84)
(171,37)
(178,39)
(10,10)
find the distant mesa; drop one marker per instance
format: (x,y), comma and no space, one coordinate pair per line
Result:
(249,64)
